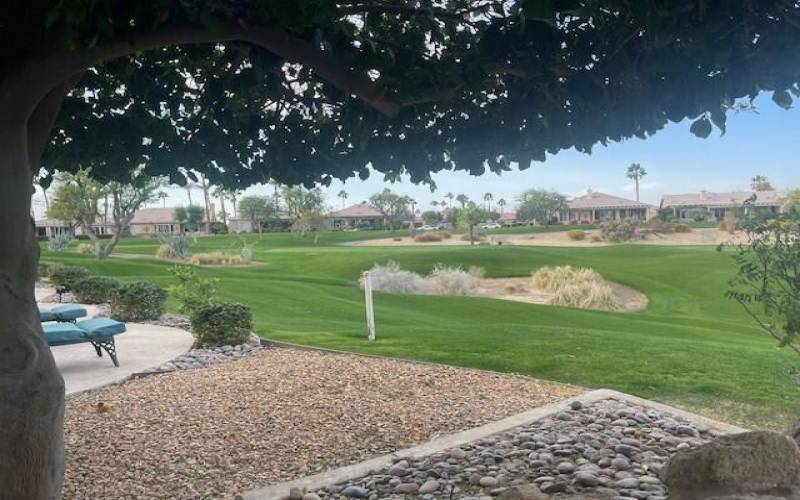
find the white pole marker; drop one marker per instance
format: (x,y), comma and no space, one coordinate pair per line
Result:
(370,310)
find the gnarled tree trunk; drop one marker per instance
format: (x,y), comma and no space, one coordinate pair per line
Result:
(31,389)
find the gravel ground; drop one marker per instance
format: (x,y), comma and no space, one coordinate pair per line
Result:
(607,450)
(277,415)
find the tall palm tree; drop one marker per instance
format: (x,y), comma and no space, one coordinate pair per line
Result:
(220,194)
(205,185)
(488,199)
(450,196)
(434,204)
(232,196)
(343,195)
(163,195)
(502,204)
(189,187)
(463,199)
(636,172)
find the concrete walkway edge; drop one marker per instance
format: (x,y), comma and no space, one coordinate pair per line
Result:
(316,481)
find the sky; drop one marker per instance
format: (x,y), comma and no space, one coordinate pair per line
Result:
(756,143)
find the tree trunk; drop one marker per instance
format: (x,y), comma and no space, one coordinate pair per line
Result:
(31,388)
(207,201)
(222,207)
(471,234)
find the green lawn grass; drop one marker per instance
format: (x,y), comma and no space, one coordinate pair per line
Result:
(692,347)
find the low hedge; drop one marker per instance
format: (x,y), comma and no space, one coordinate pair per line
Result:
(66,276)
(137,301)
(222,324)
(95,289)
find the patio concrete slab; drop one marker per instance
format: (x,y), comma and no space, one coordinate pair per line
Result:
(139,348)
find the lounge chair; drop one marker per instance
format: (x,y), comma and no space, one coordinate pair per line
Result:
(98,331)
(64,313)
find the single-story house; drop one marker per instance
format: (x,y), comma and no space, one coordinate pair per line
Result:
(594,206)
(358,216)
(508,219)
(716,205)
(49,227)
(154,221)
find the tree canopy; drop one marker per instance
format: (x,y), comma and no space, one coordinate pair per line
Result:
(304,92)
(539,205)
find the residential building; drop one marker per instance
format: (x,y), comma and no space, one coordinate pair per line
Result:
(358,216)
(594,206)
(714,206)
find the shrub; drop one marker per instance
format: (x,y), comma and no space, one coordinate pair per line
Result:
(222,324)
(86,248)
(59,242)
(476,237)
(192,292)
(576,234)
(43,271)
(596,238)
(164,251)
(723,226)
(575,287)
(215,259)
(681,228)
(618,231)
(391,278)
(178,245)
(66,276)
(452,281)
(446,235)
(95,289)
(477,272)
(428,237)
(397,238)
(137,301)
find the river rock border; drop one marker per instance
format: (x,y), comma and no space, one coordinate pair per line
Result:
(567,448)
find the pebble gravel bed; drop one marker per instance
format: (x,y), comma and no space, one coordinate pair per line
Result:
(272,416)
(608,449)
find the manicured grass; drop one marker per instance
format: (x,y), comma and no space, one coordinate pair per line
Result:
(692,347)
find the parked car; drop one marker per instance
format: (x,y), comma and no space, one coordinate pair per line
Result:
(491,225)
(428,227)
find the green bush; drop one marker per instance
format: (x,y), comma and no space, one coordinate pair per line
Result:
(66,276)
(137,301)
(681,228)
(95,289)
(619,231)
(192,292)
(222,324)
(44,269)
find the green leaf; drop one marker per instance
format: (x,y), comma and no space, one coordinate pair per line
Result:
(701,128)
(782,99)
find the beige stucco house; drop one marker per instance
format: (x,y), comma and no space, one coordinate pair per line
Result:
(358,216)
(717,205)
(594,206)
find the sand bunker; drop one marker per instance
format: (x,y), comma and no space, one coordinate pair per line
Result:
(520,290)
(704,236)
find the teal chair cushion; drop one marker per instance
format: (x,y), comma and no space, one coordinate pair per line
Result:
(47,315)
(69,312)
(101,327)
(64,334)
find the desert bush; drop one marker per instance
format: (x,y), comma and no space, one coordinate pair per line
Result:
(428,237)
(164,251)
(576,235)
(586,295)
(476,237)
(723,226)
(618,231)
(222,324)
(477,272)
(575,287)
(43,270)
(86,248)
(137,301)
(397,238)
(95,289)
(59,242)
(192,292)
(177,245)
(596,238)
(452,281)
(681,228)
(215,259)
(66,276)
(446,235)
(392,278)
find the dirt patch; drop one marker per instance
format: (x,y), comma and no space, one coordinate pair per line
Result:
(521,290)
(703,236)
(275,416)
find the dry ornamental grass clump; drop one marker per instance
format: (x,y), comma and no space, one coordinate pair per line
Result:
(575,287)
(215,259)
(443,280)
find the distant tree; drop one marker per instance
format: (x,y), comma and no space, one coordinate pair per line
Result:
(219,193)
(233,195)
(392,206)
(462,199)
(791,202)
(127,198)
(450,197)
(75,201)
(258,210)
(434,204)
(431,217)
(539,205)
(636,172)
(162,195)
(469,217)
(502,204)
(343,195)
(760,183)
(304,207)
(191,217)
(488,197)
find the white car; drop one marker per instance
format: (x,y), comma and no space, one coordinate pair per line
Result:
(426,227)
(491,225)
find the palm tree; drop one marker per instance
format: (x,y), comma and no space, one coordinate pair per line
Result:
(205,185)
(434,204)
(463,199)
(450,196)
(488,199)
(188,187)
(343,195)
(232,196)
(636,172)
(220,194)
(502,204)
(443,204)
(163,195)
